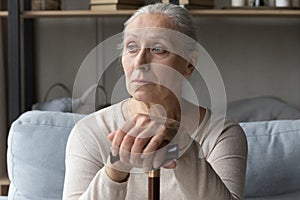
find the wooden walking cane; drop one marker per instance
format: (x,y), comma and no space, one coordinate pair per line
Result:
(154,175)
(154,184)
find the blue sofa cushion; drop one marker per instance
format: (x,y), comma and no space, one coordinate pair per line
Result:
(36,154)
(273,158)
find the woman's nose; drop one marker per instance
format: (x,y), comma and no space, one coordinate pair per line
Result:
(141,59)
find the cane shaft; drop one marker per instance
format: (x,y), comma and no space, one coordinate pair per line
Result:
(154,185)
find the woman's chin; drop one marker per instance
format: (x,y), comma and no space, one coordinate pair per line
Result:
(143,96)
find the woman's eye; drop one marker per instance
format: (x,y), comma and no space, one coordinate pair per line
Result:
(132,48)
(158,50)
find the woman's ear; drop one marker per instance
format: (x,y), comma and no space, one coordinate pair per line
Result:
(189,70)
(191,65)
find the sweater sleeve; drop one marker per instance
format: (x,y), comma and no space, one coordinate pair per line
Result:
(220,175)
(85,176)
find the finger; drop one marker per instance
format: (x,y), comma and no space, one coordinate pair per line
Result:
(135,131)
(141,119)
(136,151)
(125,148)
(149,153)
(153,128)
(143,136)
(111,136)
(116,143)
(155,142)
(139,144)
(148,161)
(119,135)
(127,126)
(170,165)
(165,155)
(159,157)
(118,140)
(132,130)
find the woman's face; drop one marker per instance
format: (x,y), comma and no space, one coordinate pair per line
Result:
(149,67)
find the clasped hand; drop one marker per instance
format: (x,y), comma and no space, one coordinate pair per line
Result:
(142,142)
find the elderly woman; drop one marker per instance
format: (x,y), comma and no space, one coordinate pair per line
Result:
(107,148)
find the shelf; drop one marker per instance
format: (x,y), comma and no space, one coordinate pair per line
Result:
(206,12)
(3,13)
(249,12)
(74,13)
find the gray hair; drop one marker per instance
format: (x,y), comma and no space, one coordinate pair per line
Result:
(179,16)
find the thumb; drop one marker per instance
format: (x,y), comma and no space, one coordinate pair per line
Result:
(111,136)
(170,165)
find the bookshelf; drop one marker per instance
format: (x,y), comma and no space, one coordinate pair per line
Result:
(202,12)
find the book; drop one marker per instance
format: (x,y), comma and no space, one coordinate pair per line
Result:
(191,7)
(113,7)
(202,2)
(45,4)
(194,2)
(131,2)
(180,1)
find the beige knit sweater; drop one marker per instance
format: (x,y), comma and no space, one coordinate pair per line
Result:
(219,175)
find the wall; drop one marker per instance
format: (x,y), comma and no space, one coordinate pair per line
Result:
(256,56)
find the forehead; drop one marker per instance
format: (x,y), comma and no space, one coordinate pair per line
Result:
(150,27)
(151,20)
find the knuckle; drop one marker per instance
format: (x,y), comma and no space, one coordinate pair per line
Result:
(128,139)
(138,116)
(134,160)
(164,133)
(140,141)
(164,130)
(135,116)
(156,142)
(143,120)
(119,133)
(123,154)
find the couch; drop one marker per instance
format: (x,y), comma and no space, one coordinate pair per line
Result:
(36,153)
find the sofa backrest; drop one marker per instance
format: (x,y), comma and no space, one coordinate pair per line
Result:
(273,157)
(36,156)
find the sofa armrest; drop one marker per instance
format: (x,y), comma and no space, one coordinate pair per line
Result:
(36,154)
(273,157)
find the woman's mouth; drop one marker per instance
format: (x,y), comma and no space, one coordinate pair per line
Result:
(141,81)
